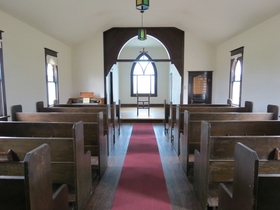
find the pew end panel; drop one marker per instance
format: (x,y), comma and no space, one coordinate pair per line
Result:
(83,172)
(103,147)
(256,182)
(225,198)
(67,155)
(201,167)
(24,190)
(184,148)
(273,109)
(166,116)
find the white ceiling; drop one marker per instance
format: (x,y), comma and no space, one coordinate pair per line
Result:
(73,21)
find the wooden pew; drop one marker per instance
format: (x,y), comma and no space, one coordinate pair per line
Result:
(111,121)
(30,187)
(87,118)
(94,141)
(214,163)
(256,183)
(170,109)
(190,129)
(114,111)
(70,165)
(176,110)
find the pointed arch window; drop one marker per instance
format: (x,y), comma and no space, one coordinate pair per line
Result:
(236,76)
(143,76)
(51,76)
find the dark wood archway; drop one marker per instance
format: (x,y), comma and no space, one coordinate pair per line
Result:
(171,37)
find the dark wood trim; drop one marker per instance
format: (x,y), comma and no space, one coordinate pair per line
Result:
(152,60)
(50,52)
(172,38)
(3,92)
(236,51)
(1,34)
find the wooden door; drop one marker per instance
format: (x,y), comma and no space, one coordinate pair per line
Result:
(200,87)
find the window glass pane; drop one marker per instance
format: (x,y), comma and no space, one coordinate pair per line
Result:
(50,73)
(237,75)
(138,69)
(235,92)
(135,84)
(144,84)
(152,85)
(52,92)
(144,57)
(150,69)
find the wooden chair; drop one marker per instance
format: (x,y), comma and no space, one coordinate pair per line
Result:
(143,102)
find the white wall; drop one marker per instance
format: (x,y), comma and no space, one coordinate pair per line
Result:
(116,78)
(261,67)
(88,66)
(199,56)
(175,85)
(24,64)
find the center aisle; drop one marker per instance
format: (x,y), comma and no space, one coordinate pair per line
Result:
(180,190)
(142,184)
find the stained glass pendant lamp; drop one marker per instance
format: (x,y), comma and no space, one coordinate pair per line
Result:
(142,34)
(142,5)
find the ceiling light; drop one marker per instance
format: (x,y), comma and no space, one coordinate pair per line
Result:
(142,5)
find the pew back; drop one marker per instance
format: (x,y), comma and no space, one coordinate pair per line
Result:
(177,109)
(24,191)
(214,163)
(113,111)
(70,164)
(189,125)
(94,141)
(93,129)
(171,106)
(252,189)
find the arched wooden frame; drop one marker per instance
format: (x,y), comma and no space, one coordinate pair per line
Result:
(172,38)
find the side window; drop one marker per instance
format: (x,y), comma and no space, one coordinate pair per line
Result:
(51,76)
(236,70)
(143,76)
(3,106)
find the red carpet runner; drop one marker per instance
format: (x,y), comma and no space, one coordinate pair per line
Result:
(142,184)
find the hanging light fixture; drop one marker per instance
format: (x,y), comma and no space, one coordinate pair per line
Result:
(142,32)
(142,5)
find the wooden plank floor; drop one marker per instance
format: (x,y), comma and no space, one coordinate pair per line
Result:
(130,113)
(179,187)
